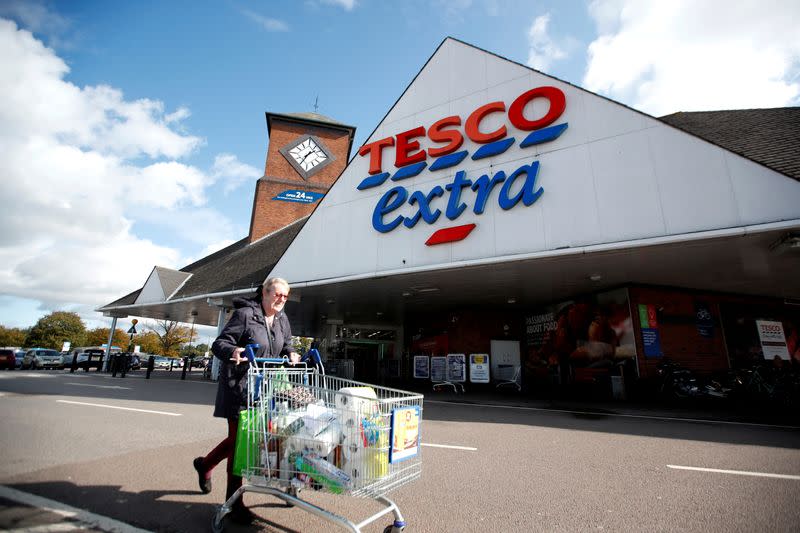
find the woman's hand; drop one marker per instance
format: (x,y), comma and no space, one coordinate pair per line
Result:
(236,356)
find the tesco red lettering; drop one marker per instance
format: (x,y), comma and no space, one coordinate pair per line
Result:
(408,149)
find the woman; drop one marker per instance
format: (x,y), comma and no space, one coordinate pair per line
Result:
(258,320)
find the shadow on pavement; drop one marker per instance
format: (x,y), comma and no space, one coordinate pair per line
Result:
(152,510)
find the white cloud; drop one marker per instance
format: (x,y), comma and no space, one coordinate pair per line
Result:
(683,55)
(543,50)
(232,172)
(269,24)
(78,167)
(348,5)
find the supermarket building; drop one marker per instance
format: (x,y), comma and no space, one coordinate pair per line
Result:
(496,210)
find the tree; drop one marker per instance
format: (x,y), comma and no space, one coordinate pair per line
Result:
(13,336)
(171,336)
(301,344)
(194,351)
(99,336)
(52,330)
(148,342)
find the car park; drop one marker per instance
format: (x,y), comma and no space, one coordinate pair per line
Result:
(7,359)
(38,358)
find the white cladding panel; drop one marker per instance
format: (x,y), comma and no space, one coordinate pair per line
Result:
(626,188)
(152,290)
(693,183)
(613,175)
(759,191)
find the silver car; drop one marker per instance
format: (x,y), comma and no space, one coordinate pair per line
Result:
(42,358)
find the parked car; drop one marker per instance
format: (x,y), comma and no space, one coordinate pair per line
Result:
(7,359)
(37,358)
(161,361)
(19,355)
(91,358)
(200,362)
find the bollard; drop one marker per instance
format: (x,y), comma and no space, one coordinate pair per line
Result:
(151,363)
(185,367)
(74,364)
(124,363)
(114,364)
(171,362)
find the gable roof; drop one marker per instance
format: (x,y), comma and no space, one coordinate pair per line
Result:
(239,267)
(770,137)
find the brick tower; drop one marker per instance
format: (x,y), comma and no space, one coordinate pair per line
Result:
(306,154)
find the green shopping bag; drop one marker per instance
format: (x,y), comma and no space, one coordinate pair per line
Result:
(247,436)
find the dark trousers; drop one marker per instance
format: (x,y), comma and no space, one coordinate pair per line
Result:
(225,450)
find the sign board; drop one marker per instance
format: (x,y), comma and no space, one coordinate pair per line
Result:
(65,346)
(479,368)
(404,433)
(422,368)
(505,358)
(438,368)
(302,197)
(456,367)
(132,330)
(773,339)
(651,338)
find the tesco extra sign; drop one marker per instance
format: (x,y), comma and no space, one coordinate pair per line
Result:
(447,135)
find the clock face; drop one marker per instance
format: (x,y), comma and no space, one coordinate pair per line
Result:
(307,155)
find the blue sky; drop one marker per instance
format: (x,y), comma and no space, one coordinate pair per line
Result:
(133,132)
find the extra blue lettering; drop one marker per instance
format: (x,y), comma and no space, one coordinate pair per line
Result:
(391,200)
(527,194)
(454,208)
(484,186)
(394,198)
(424,207)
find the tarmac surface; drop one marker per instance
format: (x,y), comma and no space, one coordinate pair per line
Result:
(116,453)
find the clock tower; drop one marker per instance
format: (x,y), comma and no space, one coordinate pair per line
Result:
(306,154)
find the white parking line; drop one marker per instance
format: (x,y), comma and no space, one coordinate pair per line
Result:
(618,415)
(86,518)
(736,472)
(449,446)
(121,408)
(97,386)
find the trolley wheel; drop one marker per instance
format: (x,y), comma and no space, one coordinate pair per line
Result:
(392,529)
(216,523)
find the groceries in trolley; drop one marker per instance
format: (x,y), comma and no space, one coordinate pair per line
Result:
(311,431)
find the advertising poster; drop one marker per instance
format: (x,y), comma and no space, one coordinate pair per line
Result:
(651,339)
(422,367)
(479,368)
(438,369)
(404,433)
(773,339)
(593,332)
(457,367)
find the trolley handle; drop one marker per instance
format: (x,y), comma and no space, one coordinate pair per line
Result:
(250,352)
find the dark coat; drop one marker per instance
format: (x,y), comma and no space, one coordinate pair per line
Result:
(247,325)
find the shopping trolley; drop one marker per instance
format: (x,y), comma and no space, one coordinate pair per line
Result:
(309,431)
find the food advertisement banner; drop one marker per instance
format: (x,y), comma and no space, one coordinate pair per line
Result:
(594,332)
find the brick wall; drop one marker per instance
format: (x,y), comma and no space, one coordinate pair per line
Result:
(269,215)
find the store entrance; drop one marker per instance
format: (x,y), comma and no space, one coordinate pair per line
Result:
(368,347)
